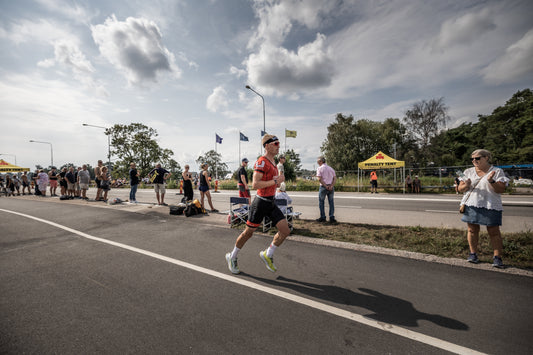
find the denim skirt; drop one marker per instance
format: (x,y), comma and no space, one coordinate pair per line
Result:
(482,216)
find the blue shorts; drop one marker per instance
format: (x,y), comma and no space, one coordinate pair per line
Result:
(203,188)
(482,216)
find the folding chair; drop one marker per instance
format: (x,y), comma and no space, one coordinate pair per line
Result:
(238,210)
(289,214)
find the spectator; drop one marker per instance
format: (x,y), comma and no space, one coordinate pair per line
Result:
(204,188)
(134,182)
(43,182)
(188,192)
(71,182)
(84,178)
(77,188)
(373,182)
(281,194)
(483,185)
(327,178)
(63,181)
(281,166)
(244,191)
(25,183)
(97,179)
(10,186)
(409,183)
(105,183)
(158,176)
(52,177)
(16,184)
(417,184)
(35,179)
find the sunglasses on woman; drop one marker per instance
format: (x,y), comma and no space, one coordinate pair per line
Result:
(476,158)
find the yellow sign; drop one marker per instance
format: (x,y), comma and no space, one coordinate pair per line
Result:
(381,161)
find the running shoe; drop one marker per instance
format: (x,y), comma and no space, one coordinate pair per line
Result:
(269,262)
(497,262)
(232,264)
(472,258)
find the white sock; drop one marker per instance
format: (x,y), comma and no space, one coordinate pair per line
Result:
(271,249)
(235,252)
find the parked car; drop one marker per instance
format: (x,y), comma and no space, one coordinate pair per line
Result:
(523,182)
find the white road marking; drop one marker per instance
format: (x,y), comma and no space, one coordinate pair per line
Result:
(389,328)
(441,211)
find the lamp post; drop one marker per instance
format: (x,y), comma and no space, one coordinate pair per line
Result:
(51,151)
(108,144)
(261,96)
(13,155)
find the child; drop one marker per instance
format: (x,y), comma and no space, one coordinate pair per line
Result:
(105,182)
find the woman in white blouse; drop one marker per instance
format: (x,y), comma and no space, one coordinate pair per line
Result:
(483,185)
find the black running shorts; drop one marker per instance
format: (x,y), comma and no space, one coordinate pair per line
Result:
(262,207)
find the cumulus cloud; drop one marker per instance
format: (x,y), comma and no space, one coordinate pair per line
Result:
(279,70)
(217,100)
(135,48)
(515,63)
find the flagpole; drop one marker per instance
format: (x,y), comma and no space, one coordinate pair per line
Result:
(285,140)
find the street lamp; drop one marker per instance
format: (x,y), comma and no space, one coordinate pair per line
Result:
(51,151)
(13,155)
(108,144)
(261,96)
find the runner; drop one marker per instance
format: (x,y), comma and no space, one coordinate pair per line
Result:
(265,180)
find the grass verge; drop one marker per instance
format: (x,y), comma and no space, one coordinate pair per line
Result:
(448,243)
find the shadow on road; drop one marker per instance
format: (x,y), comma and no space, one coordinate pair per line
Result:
(385,308)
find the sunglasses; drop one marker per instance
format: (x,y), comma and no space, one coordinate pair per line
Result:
(476,158)
(276,143)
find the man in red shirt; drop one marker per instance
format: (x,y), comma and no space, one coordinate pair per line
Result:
(265,179)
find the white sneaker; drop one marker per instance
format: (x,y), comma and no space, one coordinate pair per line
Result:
(232,264)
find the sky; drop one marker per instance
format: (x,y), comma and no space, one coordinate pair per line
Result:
(182,66)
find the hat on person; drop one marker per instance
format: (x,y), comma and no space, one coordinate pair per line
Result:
(269,138)
(282,187)
(244,160)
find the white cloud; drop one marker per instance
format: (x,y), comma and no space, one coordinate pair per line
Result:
(42,31)
(135,48)
(237,72)
(68,9)
(217,100)
(278,70)
(516,63)
(466,28)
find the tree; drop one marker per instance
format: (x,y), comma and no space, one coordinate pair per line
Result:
(507,133)
(424,121)
(349,142)
(341,147)
(136,143)
(292,164)
(214,162)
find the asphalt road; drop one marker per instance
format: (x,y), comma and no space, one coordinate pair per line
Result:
(111,280)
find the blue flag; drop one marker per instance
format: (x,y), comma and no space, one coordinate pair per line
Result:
(243,137)
(263,133)
(219,139)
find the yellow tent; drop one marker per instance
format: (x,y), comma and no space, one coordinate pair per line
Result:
(5,167)
(380,161)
